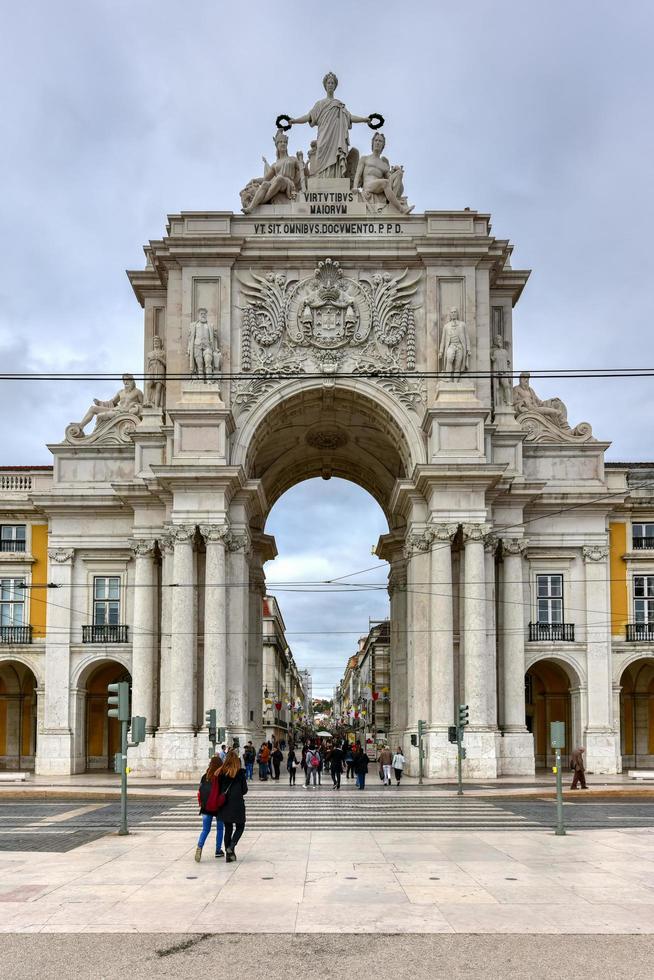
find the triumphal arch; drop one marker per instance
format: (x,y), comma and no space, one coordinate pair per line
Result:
(328,329)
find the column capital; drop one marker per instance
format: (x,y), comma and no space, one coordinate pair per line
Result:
(514,546)
(491,542)
(418,541)
(165,541)
(142,547)
(595,552)
(215,532)
(443,531)
(61,555)
(182,533)
(475,532)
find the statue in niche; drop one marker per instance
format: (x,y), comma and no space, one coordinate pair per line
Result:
(156,370)
(204,355)
(128,401)
(380,183)
(454,350)
(333,121)
(284,178)
(525,399)
(501,364)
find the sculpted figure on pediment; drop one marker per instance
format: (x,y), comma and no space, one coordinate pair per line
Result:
(156,370)
(281,179)
(204,356)
(454,350)
(545,420)
(501,365)
(333,121)
(125,406)
(380,183)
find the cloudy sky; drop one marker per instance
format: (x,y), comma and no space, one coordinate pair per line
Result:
(117,112)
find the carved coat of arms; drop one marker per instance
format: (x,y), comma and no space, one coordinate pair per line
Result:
(328,322)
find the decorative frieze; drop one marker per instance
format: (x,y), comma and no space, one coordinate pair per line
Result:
(595,552)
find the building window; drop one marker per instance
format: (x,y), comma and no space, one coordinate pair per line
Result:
(106,600)
(12,602)
(644,598)
(549,593)
(642,536)
(12,537)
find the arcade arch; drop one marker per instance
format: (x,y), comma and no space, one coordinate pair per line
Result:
(18,716)
(552,693)
(637,714)
(101,733)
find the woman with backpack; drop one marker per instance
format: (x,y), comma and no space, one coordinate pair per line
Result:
(291,765)
(208,798)
(313,767)
(233,787)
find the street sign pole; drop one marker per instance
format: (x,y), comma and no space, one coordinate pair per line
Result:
(557,741)
(421,727)
(123,780)
(459,765)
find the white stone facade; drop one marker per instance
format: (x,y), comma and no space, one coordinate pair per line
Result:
(298,345)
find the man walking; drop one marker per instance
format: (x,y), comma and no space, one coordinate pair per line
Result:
(577,763)
(336,765)
(386,763)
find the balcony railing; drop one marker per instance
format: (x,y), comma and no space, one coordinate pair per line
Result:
(555,632)
(640,632)
(643,544)
(15,634)
(104,634)
(12,544)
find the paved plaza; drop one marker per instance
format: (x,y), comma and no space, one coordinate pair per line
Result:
(485,865)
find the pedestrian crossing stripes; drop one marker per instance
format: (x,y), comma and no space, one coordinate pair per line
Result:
(320,811)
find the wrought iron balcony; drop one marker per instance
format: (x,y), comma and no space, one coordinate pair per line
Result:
(104,634)
(15,634)
(640,632)
(643,544)
(12,544)
(554,632)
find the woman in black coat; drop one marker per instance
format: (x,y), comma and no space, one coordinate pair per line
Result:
(360,767)
(234,785)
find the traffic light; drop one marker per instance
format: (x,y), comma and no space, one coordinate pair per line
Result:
(414,740)
(451,734)
(463,715)
(210,716)
(463,752)
(118,701)
(137,730)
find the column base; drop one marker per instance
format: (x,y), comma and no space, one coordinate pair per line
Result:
(515,754)
(142,760)
(602,751)
(55,753)
(176,755)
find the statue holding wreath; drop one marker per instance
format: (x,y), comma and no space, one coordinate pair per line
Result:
(333,121)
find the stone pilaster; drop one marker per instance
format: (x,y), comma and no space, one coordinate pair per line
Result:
(183,645)
(238,628)
(398,647)
(442,626)
(474,640)
(55,750)
(417,547)
(602,749)
(167,577)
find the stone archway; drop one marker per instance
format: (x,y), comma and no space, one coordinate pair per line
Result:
(18,716)
(101,733)
(551,694)
(637,714)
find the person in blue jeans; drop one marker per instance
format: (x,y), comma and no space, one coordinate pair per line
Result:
(208,778)
(249,755)
(361,767)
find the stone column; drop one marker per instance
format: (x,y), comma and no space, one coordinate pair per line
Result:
(166,548)
(513,636)
(55,753)
(255,649)
(474,605)
(238,627)
(418,637)
(398,645)
(215,621)
(144,633)
(490,548)
(602,748)
(183,645)
(442,626)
